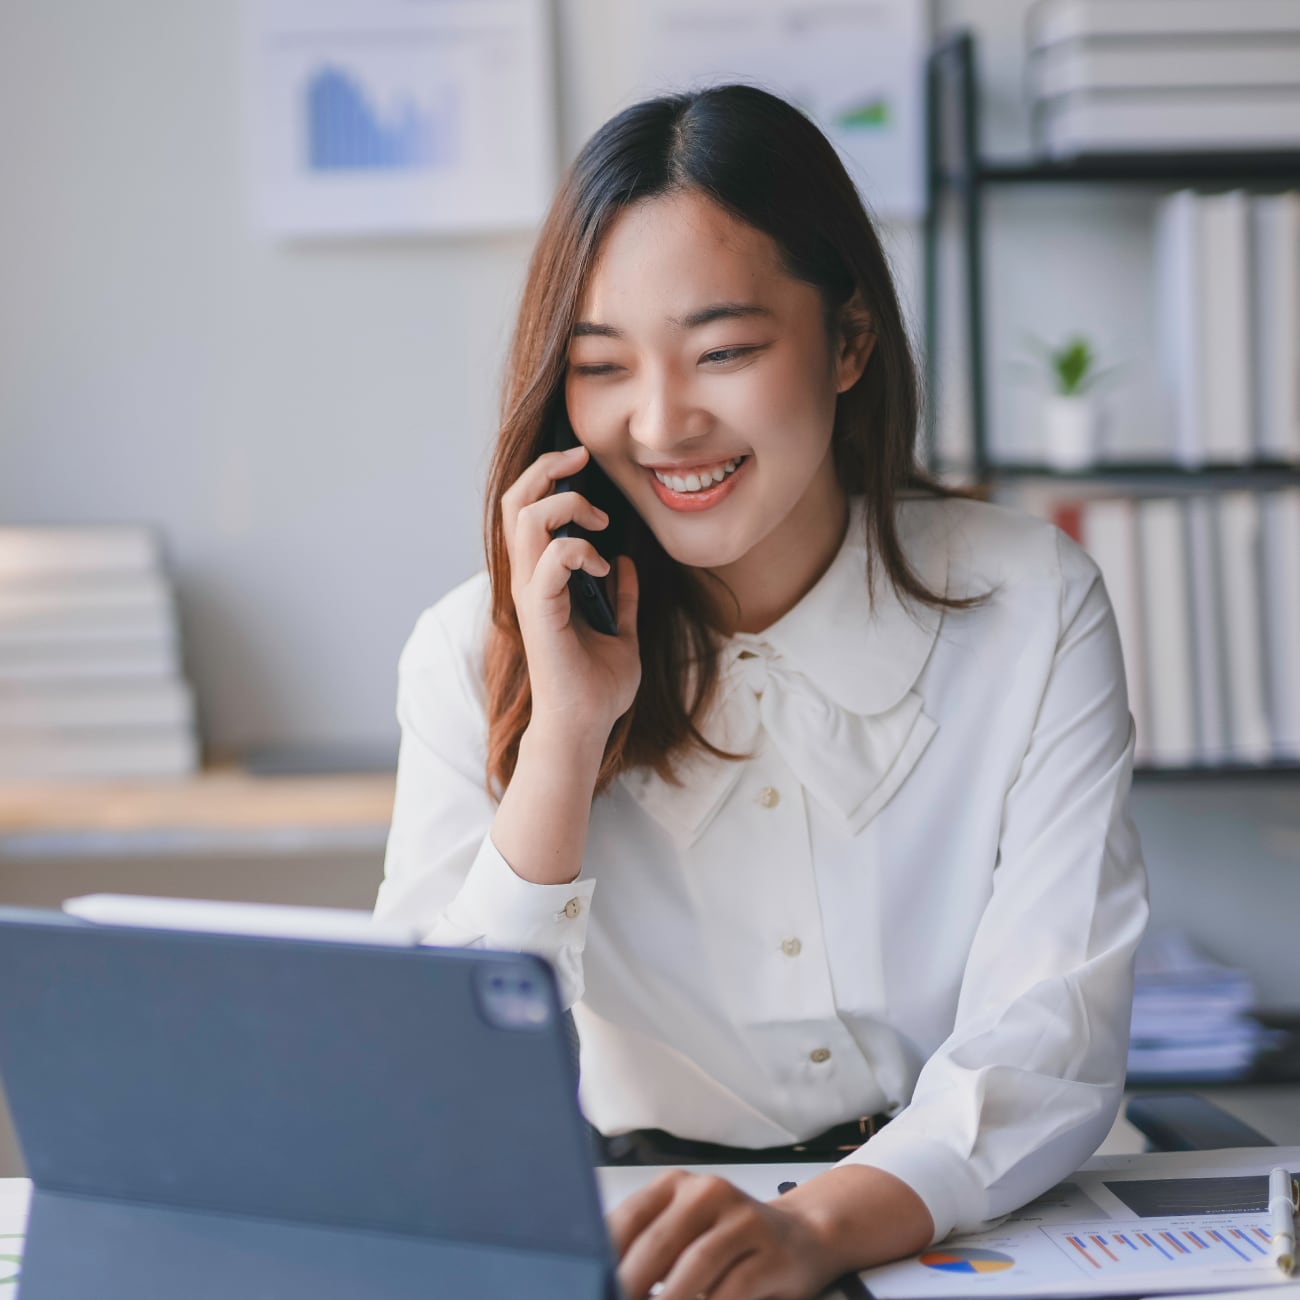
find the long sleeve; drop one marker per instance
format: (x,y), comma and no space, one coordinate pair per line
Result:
(441,868)
(1029,1081)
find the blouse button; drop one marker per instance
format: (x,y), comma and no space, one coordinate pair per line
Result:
(572,909)
(791,947)
(820,1055)
(769,797)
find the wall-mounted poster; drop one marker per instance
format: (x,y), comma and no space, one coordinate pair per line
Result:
(855,66)
(372,117)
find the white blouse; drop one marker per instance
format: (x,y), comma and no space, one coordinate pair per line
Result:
(921,893)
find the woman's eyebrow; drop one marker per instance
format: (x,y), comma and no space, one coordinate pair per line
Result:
(722,311)
(705,316)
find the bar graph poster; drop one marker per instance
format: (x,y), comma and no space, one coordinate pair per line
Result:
(375,117)
(855,66)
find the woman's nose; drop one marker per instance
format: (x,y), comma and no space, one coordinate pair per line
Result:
(665,416)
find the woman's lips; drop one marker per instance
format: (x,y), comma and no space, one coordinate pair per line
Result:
(686,502)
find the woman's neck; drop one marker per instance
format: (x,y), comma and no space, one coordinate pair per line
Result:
(771,579)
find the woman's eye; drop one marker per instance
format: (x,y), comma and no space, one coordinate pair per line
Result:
(594,368)
(721,356)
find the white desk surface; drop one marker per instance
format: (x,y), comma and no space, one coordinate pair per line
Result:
(761,1181)
(1275,1111)
(615,1184)
(14,1194)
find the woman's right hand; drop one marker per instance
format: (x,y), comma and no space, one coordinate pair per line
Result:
(582,680)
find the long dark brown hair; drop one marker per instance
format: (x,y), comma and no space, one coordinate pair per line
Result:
(762,160)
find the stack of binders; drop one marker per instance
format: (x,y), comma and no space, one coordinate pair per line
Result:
(90,676)
(1228,316)
(1156,76)
(1206,592)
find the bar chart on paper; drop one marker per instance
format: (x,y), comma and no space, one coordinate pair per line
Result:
(386,117)
(1226,1244)
(1104,1256)
(1163,1224)
(347,127)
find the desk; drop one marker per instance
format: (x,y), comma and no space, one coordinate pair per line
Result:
(14,1194)
(615,1184)
(1274,1110)
(1271,1108)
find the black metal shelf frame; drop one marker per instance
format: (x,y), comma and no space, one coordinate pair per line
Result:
(1261,474)
(1279,767)
(955,174)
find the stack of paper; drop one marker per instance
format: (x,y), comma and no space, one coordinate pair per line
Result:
(1168,1223)
(1144,76)
(90,677)
(1228,315)
(1190,1015)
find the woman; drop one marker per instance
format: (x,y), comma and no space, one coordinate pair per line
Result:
(829,844)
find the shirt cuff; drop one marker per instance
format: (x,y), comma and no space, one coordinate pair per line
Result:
(936,1173)
(508,912)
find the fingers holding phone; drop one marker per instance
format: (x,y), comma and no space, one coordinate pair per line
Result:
(535,509)
(584,676)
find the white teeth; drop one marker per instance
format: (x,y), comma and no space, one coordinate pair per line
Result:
(698,479)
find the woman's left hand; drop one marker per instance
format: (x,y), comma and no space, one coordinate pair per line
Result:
(700,1236)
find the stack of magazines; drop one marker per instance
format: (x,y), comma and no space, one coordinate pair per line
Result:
(1191,1016)
(1149,76)
(91,683)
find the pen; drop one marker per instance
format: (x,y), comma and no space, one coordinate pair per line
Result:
(1281,1213)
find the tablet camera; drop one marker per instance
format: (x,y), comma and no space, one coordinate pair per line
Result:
(510,997)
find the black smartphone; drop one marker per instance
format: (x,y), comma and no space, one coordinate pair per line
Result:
(590,596)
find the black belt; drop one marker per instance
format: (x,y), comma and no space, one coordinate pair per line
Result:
(652,1146)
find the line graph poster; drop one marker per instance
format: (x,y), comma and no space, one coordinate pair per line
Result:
(855,66)
(372,117)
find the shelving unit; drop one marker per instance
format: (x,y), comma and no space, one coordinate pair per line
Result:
(957,175)
(957,182)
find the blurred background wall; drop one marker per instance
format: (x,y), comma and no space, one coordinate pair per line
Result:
(308,424)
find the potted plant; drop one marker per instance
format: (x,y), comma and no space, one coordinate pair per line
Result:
(1071,411)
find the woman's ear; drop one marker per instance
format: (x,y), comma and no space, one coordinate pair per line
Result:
(854,343)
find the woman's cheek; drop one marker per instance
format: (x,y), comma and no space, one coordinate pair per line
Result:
(799,399)
(593,419)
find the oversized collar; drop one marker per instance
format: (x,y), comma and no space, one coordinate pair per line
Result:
(830,684)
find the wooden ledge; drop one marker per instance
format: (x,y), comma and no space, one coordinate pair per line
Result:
(219,807)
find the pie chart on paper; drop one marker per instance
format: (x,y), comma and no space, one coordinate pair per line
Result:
(960,1260)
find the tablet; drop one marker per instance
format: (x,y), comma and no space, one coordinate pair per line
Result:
(208,1115)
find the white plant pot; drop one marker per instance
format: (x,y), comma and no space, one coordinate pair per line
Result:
(1071,429)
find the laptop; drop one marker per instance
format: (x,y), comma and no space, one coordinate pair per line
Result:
(222,1114)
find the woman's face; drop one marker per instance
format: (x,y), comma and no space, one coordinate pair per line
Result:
(702,378)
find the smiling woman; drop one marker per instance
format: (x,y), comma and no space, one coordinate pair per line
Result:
(829,843)
(696,348)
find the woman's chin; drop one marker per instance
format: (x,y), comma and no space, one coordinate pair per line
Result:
(700,548)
